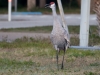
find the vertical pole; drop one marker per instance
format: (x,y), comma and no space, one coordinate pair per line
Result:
(62,16)
(9,10)
(15,5)
(84,26)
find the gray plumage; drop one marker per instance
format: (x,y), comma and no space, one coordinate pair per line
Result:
(58,35)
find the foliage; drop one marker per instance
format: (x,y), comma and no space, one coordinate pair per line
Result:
(3,3)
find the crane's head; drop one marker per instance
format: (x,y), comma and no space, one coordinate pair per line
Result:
(51,5)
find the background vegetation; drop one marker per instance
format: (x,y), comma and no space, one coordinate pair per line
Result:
(23,3)
(69,6)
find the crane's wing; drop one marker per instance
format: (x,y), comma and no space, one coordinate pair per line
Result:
(51,38)
(52,41)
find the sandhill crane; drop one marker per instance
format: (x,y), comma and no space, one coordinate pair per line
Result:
(58,35)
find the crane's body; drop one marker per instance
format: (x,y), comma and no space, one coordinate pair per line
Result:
(59,37)
(58,34)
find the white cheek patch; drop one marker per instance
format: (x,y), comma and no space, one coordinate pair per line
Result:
(52,5)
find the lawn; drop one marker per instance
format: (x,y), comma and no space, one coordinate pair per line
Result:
(47,29)
(28,56)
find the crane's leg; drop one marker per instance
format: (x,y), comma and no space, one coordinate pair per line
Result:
(62,66)
(57,59)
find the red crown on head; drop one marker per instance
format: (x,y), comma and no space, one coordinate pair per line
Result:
(52,3)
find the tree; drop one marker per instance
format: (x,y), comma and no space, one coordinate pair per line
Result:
(92,4)
(42,3)
(31,4)
(79,2)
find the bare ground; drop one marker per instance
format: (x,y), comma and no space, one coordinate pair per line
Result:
(10,36)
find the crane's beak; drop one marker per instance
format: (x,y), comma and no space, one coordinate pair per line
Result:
(47,6)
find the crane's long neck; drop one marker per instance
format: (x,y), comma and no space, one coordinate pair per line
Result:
(54,12)
(56,24)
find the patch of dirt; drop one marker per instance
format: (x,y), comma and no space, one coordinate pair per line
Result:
(10,36)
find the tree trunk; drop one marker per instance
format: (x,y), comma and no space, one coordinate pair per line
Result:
(42,3)
(31,4)
(79,2)
(92,3)
(13,3)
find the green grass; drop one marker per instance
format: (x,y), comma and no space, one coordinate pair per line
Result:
(43,10)
(66,10)
(13,64)
(29,56)
(3,10)
(44,29)
(47,29)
